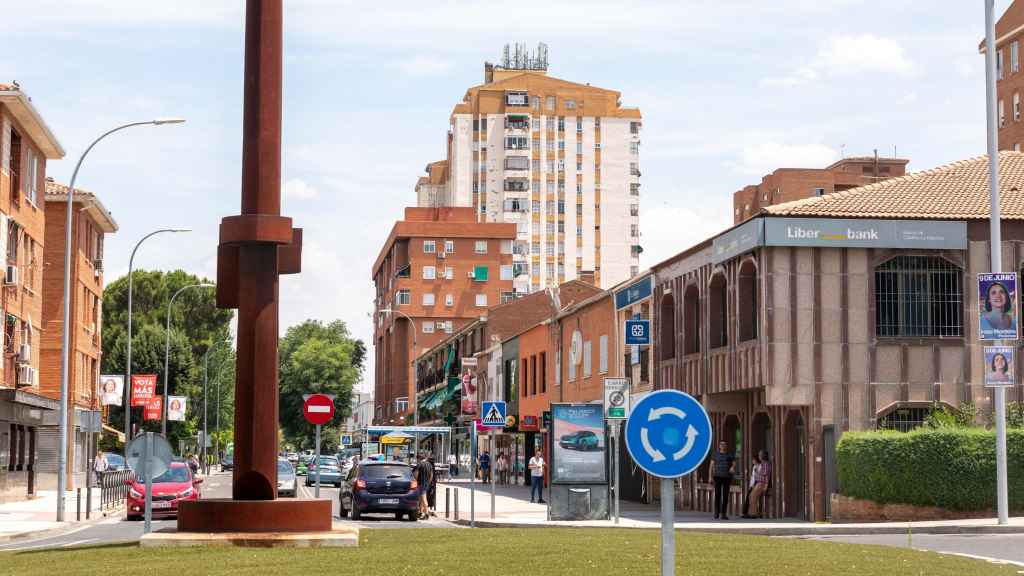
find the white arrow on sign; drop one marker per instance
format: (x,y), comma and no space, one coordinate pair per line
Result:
(691,436)
(653,452)
(664,410)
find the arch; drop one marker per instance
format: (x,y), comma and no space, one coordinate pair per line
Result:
(749,313)
(761,434)
(795,461)
(732,432)
(691,320)
(667,336)
(718,313)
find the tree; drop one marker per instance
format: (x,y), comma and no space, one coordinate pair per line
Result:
(317,358)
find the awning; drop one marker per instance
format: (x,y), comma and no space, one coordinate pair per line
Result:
(114,431)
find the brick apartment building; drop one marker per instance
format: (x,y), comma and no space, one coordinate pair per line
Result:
(91,222)
(26,144)
(1009,79)
(442,269)
(788,184)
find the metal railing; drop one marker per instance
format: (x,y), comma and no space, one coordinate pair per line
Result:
(114,488)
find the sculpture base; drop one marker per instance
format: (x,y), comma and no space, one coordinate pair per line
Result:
(341,536)
(270,516)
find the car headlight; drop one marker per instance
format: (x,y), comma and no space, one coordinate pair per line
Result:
(134,494)
(187,493)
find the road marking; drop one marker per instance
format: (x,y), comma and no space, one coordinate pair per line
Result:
(986,558)
(77,543)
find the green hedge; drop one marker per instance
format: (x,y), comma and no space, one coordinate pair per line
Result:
(949,468)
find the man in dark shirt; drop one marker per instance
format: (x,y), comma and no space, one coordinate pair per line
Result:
(424,475)
(722,465)
(485,466)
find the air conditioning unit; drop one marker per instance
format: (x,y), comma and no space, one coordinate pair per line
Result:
(11,278)
(471,274)
(26,375)
(25,353)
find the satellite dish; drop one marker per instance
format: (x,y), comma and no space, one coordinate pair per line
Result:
(160,458)
(576,346)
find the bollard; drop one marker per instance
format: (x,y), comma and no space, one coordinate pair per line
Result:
(446,501)
(78,504)
(456,504)
(88,501)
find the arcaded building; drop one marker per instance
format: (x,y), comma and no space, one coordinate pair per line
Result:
(847,311)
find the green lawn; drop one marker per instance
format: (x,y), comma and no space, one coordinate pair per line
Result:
(506,552)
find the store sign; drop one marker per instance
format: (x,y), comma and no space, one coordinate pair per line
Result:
(143,389)
(634,293)
(529,424)
(740,239)
(865,233)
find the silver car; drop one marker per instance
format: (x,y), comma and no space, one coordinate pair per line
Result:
(287,484)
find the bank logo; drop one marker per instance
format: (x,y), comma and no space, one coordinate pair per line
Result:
(799,233)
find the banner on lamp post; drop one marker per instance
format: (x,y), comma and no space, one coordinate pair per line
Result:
(153,409)
(111,390)
(143,389)
(176,408)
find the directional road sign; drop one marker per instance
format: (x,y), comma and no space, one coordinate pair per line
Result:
(494,414)
(638,332)
(318,409)
(668,434)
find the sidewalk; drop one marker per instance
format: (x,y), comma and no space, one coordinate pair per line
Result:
(513,509)
(37,517)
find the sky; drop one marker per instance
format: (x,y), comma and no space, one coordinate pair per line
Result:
(729,91)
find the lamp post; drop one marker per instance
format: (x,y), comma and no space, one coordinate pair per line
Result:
(206,370)
(128,351)
(167,353)
(62,452)
(415,385)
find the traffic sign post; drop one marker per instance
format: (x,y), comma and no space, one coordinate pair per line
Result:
(318,410)
(668,435)
(616,409)
(494,414)
(152,455)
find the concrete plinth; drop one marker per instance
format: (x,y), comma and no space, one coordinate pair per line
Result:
(257,516)
(339,536)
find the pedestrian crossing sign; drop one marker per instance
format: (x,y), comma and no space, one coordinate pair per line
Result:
(494,414)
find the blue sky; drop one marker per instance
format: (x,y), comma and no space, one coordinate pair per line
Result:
(728,90)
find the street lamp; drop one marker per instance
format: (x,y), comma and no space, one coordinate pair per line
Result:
(62,452)
(415,385)
(167,352)
(206,370)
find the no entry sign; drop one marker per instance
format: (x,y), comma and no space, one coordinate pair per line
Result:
(318,409)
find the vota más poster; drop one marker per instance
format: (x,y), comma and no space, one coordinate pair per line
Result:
(578,444)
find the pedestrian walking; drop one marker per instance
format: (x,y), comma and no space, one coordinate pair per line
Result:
(537,477)
(432,495)
(762,478)
(750,486)
(193,464)
(501,467)
(99,466)
(485,466)
(453,465)
(723,464)
(424,474)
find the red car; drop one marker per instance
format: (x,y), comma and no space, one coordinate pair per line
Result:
(169,488)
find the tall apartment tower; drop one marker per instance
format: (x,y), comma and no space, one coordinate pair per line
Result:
(558,159)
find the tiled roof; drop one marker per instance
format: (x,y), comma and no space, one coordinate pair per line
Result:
(956,191)
(56,192)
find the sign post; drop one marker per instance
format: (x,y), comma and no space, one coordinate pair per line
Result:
(638,332)
(318,410)
(616,409)
(668,435)
(494,416)
(151,454)
(472,476)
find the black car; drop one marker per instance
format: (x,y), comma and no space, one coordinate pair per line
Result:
(373,486)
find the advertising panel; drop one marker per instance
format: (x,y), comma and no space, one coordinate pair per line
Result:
(143,388)
(469,389)
(997,306)
(865,233)
(578,444)
(999,365)
(153,408)
(111,390)
(176,408)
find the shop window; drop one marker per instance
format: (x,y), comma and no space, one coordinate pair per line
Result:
(918,296)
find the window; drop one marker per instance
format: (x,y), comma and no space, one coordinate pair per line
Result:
(1016,147)
(634,148)
(634,230)
(480,273)
(449,273)
(561,144)
(550,165)
(561,127)
(602,351)
(549,250)
(10,329)
(12,241)
(429,247)
(634,189)
(31,174)
(483,124)
(447,326)
(524,377)
(535,102)
(481,300)
(536,143)
(449,246)
(1014,57)
(748,301)
(507,297)
(403,297)
(535,124)
(561,167)
(1016,107)
(634,127)
(549,123)
(428,327)
(480,247)
(719,306)
(517,143)
(558,367)
(543,369)
(428,299)
(517,185)
(572,368)
(586,359)
(691,320)
(429,272)
(634,169)
(817,192)
(1002,114)
(918,296)
(597,123)
(579,209)
(667,331)
(535,248)
(570,104)
(550,269)
(449,300)
(550,102)
(506,246)
(506,272)
(999,65)
(550,145)
(517,163)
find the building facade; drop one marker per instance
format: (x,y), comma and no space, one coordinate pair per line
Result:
(439,269)
(91,222)
(1009,80)
(789,184)
(26,144)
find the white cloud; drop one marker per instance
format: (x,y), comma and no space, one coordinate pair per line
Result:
(843,55)
(763,157)
(667,230)
(300,189)
(423,65)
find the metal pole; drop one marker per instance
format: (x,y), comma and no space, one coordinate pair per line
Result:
(206,381)
(216,444)
(616,434)
(995,244)
(668,535)
(167,353)
(317,494)
(147,458)
(62,451)
(493,475)
(472,478)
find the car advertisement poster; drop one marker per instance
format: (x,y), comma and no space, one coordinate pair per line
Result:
(578,444)
(997,301)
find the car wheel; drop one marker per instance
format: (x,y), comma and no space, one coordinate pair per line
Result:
(399,515)
(337,484)
(414,516)
(356,515)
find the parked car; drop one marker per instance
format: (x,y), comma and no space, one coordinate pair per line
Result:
(228,463)
(583,440)
(293,457)
(115,462)
(329,471)
(170,488)
(301,468)
(374,486)
(287,483)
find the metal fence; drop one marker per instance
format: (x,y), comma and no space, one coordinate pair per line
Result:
(114,488)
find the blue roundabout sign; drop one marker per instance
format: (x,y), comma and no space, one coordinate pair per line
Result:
(668,433)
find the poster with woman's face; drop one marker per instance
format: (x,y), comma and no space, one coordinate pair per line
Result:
(176,408)
(997,306)
(999,365)
(111,389)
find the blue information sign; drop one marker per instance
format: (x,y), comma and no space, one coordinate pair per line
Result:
(668,433)
(346,440)
(638,332)
(493,414)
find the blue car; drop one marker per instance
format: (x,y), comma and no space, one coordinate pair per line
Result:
(330,473)
(375,486)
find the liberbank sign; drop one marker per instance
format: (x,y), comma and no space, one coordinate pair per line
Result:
(840,233)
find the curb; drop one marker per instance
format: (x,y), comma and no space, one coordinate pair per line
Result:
(58,530)
(754,530)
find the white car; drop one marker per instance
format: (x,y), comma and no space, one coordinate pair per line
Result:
(287,483)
